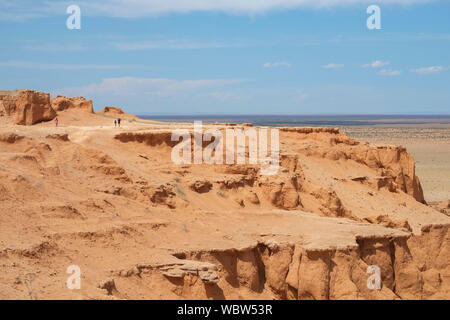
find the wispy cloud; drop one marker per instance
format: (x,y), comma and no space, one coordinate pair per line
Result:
(389,73)
(150,87)
(223,96)
(176,44)
(23,10)
(53,47)
(28,9)
(333,66)
(429,70)
(57,66)
(376,64)
(276,64)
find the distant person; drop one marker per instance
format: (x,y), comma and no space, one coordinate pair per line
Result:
(115,123)
(118,122)
(56,122)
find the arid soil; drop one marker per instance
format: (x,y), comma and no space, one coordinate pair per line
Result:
(111,201)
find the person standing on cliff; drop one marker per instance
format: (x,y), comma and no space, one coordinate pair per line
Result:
(56,121)
(118,121)
(115,123)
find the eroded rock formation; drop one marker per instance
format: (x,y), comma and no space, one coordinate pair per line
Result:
(28,106)
(116,112)
(61,103)
(142,227)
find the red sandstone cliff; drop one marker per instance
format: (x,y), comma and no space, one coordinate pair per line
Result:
(28,107)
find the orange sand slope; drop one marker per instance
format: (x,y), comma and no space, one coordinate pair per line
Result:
(111,201)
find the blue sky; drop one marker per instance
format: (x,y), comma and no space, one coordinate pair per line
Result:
(233,57)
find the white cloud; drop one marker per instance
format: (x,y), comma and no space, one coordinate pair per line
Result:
(223,96)
(376,64)
(276,64)
(333,66)
(168,44)
(149,87)
(28,9)
(56,66)
(52,47)
(385,72)
(429,70)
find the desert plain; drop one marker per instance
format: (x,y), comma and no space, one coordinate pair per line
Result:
(111,202)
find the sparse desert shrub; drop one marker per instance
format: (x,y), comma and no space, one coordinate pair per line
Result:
(180,193)
(222,193)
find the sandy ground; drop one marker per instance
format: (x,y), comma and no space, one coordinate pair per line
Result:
(430,146)
(111,201)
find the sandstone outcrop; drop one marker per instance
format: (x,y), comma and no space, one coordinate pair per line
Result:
(115,112)
(61,103)
(109,109)
(391,162)
(8,103)
(28,106)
